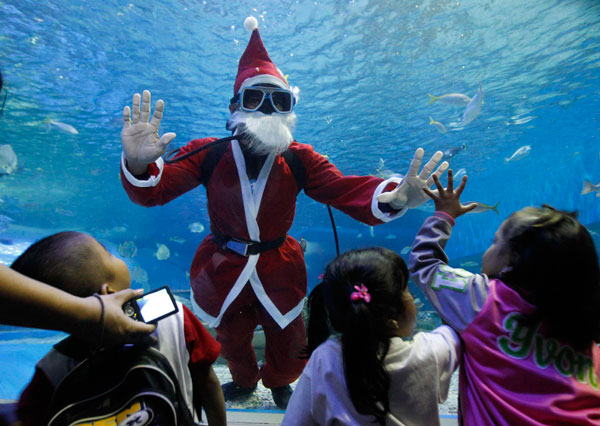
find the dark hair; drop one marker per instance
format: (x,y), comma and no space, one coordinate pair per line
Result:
(64,260)
(364,334)
(553,259)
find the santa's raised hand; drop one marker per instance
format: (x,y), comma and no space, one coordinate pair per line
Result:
(140,140)
(409,194)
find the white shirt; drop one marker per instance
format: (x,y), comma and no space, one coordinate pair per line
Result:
(419,371)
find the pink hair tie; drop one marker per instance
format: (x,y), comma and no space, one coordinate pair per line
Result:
(361,293)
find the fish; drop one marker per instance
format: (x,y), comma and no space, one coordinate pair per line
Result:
(8,160)
(439,126)
(590,187)
(473,108)
(5,222)
(405,250)
(418,303)
(303,244)
(482,207)
(139,275)
(519,153)
(196,227)
(459,174)
(162,252)
(177,240)
(451,152)
(127,249)
(64,212)
(390,237)
(63,127)
(372,231)
(469,264)
(386,173)
(451,98)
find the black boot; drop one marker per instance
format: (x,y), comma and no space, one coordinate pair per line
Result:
(281,396)
(233,391)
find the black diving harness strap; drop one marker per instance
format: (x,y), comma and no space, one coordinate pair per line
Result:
(169,160)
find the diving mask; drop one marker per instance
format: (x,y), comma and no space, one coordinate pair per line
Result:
(252,98)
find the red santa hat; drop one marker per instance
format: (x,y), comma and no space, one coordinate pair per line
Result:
(255,65)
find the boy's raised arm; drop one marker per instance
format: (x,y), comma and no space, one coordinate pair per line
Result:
(29,303)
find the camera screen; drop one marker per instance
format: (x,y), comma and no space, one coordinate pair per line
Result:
(155,305)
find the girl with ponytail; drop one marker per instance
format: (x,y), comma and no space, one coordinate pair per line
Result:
(361,369)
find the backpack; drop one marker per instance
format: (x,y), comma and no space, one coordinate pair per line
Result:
(124,386)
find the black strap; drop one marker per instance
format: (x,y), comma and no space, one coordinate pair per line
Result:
(296,167)
(211,160)
(246,248)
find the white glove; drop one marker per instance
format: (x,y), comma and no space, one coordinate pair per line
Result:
(141,143)
(409,194)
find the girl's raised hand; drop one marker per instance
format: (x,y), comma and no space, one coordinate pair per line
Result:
(447,199)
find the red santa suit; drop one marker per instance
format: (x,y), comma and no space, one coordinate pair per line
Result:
(234,292)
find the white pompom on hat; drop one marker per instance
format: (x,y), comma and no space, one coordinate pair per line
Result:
(251,23)
(255,66)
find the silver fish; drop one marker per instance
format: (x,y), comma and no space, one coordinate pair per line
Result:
(8,160)
(196,227)
(162,252)
(64,127)
(303,244)
(451,99)
(439,126)
(482,207)
(519,153)
(590,187)
(459,174)
(127,249)
(473,108)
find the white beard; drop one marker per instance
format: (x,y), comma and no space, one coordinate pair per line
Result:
(266,133)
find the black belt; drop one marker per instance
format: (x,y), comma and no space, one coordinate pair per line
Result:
(247,248)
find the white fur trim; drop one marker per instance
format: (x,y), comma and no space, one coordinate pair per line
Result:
(239,285)
(385,217)
(264,79)
(251,23)
(250,206)
(281,319)
(151,181)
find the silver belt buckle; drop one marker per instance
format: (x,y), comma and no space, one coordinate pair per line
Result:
(238,247)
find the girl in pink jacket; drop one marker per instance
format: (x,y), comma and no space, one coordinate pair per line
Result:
(529,323)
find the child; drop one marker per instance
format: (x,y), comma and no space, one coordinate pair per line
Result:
(80,265)
(368,373)
(528,322)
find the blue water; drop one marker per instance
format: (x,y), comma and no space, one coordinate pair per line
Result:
(364,69)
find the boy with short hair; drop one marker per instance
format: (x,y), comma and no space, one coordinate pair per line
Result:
(78,264)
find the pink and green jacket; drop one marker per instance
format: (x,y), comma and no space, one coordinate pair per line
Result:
(510,373)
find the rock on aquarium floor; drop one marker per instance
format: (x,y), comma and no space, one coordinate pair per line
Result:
(261,399)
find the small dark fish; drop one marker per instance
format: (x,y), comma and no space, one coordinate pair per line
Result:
(451,152)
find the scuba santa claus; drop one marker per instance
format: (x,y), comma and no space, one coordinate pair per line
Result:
(248,272)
